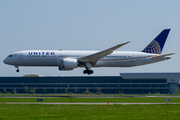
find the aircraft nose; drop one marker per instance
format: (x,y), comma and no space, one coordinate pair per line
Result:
(5,61)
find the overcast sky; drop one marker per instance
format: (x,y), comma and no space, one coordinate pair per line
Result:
(88,25)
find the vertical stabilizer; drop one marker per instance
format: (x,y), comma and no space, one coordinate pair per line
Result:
(156,46)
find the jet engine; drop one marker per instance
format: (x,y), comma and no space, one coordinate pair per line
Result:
(68,64)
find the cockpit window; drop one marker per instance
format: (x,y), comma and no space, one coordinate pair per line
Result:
(10,56)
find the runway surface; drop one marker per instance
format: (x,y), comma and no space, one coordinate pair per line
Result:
(88,103)
(89,96)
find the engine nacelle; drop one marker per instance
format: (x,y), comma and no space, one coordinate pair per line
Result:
(68,64)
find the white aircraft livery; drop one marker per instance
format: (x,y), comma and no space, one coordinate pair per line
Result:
(68,59)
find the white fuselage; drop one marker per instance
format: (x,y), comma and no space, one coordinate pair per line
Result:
(53,58)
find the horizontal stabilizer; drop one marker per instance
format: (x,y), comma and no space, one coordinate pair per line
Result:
(161,56)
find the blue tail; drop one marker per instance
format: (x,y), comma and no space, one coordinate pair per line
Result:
(156,46)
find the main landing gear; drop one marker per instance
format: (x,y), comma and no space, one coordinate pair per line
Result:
(17,68)
(88,71)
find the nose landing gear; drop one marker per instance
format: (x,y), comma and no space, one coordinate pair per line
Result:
(17,68)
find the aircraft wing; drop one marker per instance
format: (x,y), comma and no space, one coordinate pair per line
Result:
(161,56)
(93,58)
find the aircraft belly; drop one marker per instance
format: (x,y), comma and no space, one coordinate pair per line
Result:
(147,61)
(127,63)
(119,63)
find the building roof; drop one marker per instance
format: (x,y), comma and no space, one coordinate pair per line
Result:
(172,77)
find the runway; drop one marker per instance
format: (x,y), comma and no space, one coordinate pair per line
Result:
(104,103)
(48,103)
(70,96)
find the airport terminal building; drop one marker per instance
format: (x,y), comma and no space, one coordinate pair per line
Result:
(127,83)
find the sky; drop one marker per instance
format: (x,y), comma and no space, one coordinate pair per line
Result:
(87,25)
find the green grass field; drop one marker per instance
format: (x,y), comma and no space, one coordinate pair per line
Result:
(89,112)
(94,100)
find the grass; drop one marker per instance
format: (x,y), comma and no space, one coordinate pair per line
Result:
(94,100)
(89,112)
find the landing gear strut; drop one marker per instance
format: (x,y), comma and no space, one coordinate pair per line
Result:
(17,68)
(88,71)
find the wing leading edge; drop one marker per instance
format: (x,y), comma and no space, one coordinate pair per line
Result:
(93,58)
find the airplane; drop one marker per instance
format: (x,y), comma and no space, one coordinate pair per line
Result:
(70,59)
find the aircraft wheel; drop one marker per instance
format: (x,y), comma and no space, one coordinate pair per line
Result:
(91,71)
(88,72)
(17,70)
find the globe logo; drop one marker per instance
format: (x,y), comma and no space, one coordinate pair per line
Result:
(153,47)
